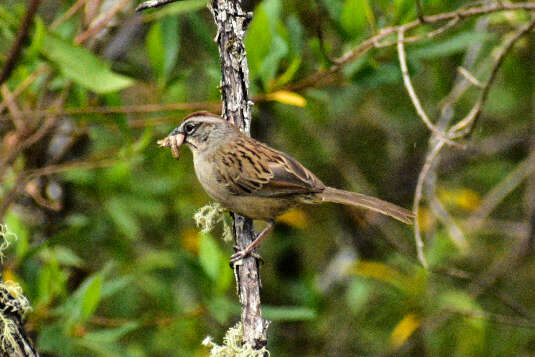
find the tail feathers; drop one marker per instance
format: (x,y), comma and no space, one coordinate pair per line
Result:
(359,200)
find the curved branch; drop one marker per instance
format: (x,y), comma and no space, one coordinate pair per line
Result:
(414,97)
(374,41)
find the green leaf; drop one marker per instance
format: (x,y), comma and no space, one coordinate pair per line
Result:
(451,46)
(91,296)
(112,286)
(121,214)
(83,302)
(334,8)
(171,42)
(51,280)
(177,8)
(20,234)
(289,74)
(486,174)
(403,10)
(98,348)
(295,35)
(270,65)
(258,40)
(210,256)
(155,260)
(145,206)
(53,339)
(458,300)
(221,308)
(355,16)
(82,66)
(155,48)
(66,256)
(37,39)
(288,313)
(111,335)
(273,11)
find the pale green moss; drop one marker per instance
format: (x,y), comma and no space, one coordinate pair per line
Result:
(6,238)
(12,302)
(209,216)
(232,345)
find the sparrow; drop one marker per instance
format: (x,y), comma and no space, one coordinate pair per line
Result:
(254,180)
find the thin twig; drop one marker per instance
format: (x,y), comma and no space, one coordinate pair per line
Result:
(443,29)
(529,192)
(16,48)
(31,138)
(426,36)
(500,318)
(455,232)
(500,191)
(127,109)
(418,198)
(9,100)
(419,10)
(103,22)
(24,177)
(315,79)
(73,165)
(469,76)
(446,116)
(414,97)
(358,51)
(67,15)
(24,85)
(465,126)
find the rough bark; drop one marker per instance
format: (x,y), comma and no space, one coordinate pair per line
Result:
(231,23)
(14,341)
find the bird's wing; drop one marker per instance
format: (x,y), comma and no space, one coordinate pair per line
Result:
(248,167)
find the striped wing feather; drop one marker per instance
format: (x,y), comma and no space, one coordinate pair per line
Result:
(249,167)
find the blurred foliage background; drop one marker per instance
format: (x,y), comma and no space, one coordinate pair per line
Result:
(107,250)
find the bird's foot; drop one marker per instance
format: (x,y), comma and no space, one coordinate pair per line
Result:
(239,255)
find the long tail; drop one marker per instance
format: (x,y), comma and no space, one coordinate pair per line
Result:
(359,200)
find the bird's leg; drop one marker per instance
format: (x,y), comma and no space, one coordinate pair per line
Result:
(247,251)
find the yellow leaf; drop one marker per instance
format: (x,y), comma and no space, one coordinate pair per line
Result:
(189,240)
(295,218)
(381,272)
(9,275)
(404,329)
(425,218)
(463,198)
(287,97)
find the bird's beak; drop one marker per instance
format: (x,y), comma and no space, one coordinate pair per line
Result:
(172,141)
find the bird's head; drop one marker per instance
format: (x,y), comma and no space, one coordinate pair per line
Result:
(200,131)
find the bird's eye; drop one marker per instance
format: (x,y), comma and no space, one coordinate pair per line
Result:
(189,128)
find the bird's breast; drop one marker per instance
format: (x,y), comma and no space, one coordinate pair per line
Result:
(209,178)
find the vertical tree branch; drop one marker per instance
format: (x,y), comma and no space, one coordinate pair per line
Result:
(14,341)
(16,48)
(231,23)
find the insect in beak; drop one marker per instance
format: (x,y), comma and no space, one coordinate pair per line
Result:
(173,142)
